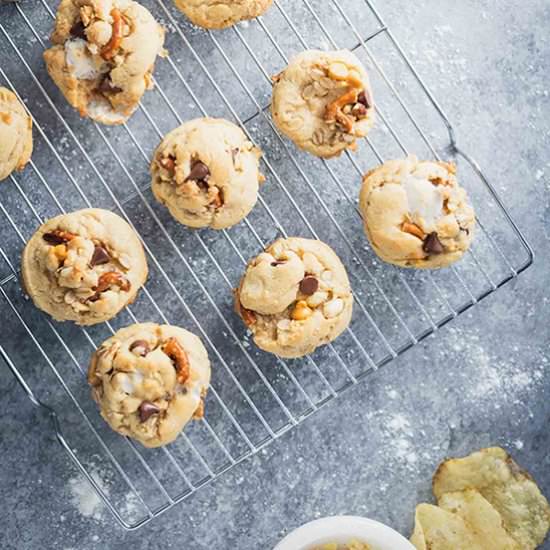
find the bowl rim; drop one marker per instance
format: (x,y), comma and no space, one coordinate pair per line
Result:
(325,530)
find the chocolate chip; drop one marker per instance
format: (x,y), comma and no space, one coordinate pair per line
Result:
(53,238)
(146,410)
(277,262)
(140,347)
(100,256)
(106,87)
(432,244)
(309,285)
(364,99)
(78,30)
(199,172)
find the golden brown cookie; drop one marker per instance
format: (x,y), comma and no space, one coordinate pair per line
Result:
(416,214)
(323,102)
(206,172)
(15,134)
(150,381)
(103,56)
(219,14)
(84,266)
(294,297)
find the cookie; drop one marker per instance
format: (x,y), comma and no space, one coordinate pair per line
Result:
(84,266)
(416,214)
(15,134)
(103,56)
(323,102)
(219,14)
(206,173)
(294,297)
(149,381)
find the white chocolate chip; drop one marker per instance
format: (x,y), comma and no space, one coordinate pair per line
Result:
(333,308)
(326,275)
(317,299)
(124,261)
(283,324)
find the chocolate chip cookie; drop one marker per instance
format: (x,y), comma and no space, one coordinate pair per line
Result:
(149,381)
(323,102)
(294,297)
(84,266)
(219,14)
(416,214)
(15,134)
(103,56)
(206,173)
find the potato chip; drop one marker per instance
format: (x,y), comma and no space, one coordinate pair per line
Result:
(481,517)
(437,529)
(511,491)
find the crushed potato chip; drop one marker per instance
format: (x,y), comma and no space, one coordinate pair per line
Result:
(510,490)
(482,518)
(352,545)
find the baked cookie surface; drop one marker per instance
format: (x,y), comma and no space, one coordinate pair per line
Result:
(149,381)
(219,14)
(84,266)
(15,134)
(416,214)
(323,101)
(103,55)
(294,297)
(206,173)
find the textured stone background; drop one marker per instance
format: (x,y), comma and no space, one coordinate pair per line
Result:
(485,379)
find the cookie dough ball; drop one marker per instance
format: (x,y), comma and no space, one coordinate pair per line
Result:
(323,102)
(206,173)
(294,297)
(15,134)
(219,14)
(84,266)
(103,56)
(416,214)
(149,381)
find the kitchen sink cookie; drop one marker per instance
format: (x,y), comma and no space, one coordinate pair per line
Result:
(149,381)
(15,134)
(219,14)
(416,214)
(103,56)
(206,173)
(294,297)
(84,266)
(323,102)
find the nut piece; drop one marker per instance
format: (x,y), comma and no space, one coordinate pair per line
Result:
(168,163)
(109,51)
(301,311)
(413,229)
(107,280)
(178,355)
(58,237)
(334,113)
(140,347)
(333,308)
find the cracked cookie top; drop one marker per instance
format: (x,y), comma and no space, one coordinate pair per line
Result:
(323,101)
(15,134)
(149,381)
(84,266)
(219,14)
(294,297)
(103,56)
(416,214)
(206,173)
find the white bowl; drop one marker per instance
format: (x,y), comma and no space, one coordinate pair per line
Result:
(342,529)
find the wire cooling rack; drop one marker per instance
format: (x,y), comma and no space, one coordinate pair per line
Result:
(254,397)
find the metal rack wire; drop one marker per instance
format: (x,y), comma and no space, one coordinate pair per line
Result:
(254,398)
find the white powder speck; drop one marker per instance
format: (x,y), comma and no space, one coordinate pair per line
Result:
(539,174)
(84,497)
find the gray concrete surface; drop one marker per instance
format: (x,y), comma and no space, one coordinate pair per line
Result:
(482,380)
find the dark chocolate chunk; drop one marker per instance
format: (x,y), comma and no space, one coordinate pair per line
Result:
(140,347)
(146,410)
(100,256)
(106,87)
(432,244)
(78,30)
(53,238)
(309,285)
(364,99)
(199,172)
